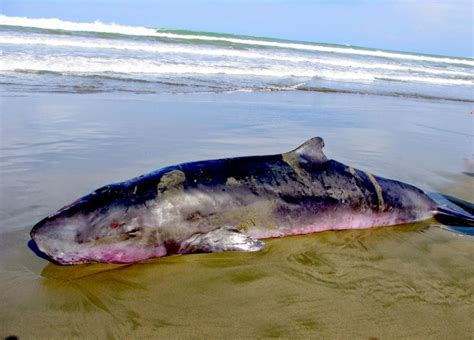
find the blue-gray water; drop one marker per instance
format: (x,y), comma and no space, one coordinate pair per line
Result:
(59,56)
(127,109)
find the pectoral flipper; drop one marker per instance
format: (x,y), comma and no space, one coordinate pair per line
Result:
(220,240)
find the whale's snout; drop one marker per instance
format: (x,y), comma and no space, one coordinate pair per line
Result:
(56,237)
(90,230)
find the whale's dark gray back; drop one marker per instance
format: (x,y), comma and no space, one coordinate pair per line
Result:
(224,205)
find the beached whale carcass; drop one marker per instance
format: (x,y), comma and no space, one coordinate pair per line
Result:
(226,205)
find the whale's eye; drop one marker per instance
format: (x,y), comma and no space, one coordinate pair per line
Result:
(133,232)
(114,225)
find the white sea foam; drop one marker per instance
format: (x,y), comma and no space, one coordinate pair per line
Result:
(87,65)
(68,64)
(156,47)
(58,24)
(172,58)
(143,31)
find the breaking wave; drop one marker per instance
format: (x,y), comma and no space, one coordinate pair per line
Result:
(52,53)
(99,27)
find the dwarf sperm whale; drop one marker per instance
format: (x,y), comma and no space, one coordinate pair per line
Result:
(227,205)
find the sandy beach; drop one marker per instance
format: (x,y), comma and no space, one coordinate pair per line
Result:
(410,281)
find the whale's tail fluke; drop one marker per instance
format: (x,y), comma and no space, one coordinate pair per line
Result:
(454,212)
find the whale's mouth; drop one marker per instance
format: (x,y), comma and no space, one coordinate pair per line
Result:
(70,253)
(54,250)
(34,248)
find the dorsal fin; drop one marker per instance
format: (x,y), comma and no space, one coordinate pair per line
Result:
(311,150)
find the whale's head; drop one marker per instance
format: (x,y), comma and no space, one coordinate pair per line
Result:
(105,226)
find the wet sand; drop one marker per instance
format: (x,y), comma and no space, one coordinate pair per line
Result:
(413,281)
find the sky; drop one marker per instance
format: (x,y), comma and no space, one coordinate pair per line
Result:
(423,26)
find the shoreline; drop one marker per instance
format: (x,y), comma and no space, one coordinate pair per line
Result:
(413,279)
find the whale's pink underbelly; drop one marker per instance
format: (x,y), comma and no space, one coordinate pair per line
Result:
(340,222)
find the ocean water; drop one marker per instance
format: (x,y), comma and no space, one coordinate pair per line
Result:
(84,105)
(50,55)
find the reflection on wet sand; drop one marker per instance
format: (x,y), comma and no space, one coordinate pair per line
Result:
(410,281)
(395,281)
(461,185)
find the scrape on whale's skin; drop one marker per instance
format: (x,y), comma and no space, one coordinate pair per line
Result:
(225,205)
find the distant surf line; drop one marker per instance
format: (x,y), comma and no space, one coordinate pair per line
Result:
(84,65)
(99,27)
(156,48)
